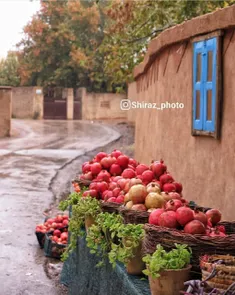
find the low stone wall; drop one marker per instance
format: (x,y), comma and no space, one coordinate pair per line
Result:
(98,106)
(27,102)
(5,111)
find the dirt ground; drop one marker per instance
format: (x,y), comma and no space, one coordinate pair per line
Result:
(36,168)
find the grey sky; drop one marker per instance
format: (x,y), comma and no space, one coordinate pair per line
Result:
(14,15)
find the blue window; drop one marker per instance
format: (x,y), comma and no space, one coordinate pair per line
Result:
(205,88)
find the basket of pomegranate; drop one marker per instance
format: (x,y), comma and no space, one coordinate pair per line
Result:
(50,224)
(178,223)
(106,176)
(218,270)
(56,243)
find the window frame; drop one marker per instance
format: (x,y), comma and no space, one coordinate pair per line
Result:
(218,95)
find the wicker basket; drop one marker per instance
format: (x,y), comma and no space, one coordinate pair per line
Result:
(110,207)
(133,216)
(200,244)
(225,272)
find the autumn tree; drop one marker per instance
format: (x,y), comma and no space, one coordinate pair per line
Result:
(60,46)
(9,66)
(132,25)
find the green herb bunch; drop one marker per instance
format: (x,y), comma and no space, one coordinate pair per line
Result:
(160,260)
(85,207)
(72,199)
(129,237)
(103,234)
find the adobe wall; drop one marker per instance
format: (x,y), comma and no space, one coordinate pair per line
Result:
(204,165)
(5,111)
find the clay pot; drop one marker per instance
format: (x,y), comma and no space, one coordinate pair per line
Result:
(89,221)
(171,282)
(135,266)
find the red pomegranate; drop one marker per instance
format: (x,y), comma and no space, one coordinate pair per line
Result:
(166,178)
(147,176)
(178,187)
(106,162)
(195,227)
(198,215)
(168,219)
(123,161)
(141,168)
(158,168)
(96,168)
(128,173)
(214,216)
(103,176)
(100,156)
(115,170)
(173,205)
(154,215)
(116,153)
(184,215)
(168,187)
(133,162)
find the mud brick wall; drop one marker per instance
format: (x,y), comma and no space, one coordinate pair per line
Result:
(98,106)
(26,103)
(5,111)
(204,165)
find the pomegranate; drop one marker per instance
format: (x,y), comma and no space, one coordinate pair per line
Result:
(221,228)
(178,187)
(123,161)
(166,196)
(158,168)
(108,195)
(131,167)
(120,199)
(115,169)
(86,167)
(134,181)
(195,227)
(116,153)
(112,200)
(128,173)
(138,193)
(154,215)
(116,192)
(103,176)
(168,187)
(198,215)
(147,176)
(141,168)
(214,216)
(122,182)
(153,187)
(139,207)
(88,176)
(92,193)
(154,200)
(175,195)
(127,198)
(116,178)
(129,205)
(112,185)
(100,156)
(184,215)
(215,232)
(168,219)
(133,162)
(166,178)
(104,194)
(93,185)
(102,186)
(173,205)
(106,162)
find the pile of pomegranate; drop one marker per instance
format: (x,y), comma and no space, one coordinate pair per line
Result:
(179,216)
(58,222)
(114,175)
(60,236)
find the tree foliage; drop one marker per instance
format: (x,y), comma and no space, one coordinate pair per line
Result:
(9,75)
(96,44)
(134,23)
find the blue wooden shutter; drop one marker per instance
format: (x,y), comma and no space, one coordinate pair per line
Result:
(197,86)
(209,81)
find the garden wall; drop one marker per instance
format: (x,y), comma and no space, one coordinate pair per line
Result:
(27,102)
(5,111)
(99,106)
(204,165)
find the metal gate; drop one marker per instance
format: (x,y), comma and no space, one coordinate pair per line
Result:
(55,104)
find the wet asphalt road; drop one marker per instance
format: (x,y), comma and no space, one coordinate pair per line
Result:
(29,162)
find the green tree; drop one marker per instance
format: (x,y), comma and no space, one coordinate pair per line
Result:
(9,75)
